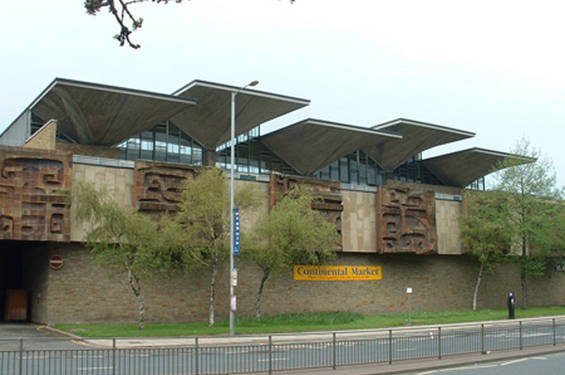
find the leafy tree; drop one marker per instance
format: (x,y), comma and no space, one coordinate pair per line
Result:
(533,211)
(484,230)
(291,234)
(122,237)
(205,221)
(120,9)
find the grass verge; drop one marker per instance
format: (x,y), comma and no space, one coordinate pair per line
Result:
(300,323)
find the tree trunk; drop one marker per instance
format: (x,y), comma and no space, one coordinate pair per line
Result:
(477,285)
(212,300)
(136,289)
(524,285)
(523,273)
(266,274)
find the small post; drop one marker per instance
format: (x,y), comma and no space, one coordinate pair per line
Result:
(409,292)
(520,329)
(334,360)
(438,342)
(554,333)
(196,356)
(21,352)
(483,350)
(390,346)
(270,355)
(114,356)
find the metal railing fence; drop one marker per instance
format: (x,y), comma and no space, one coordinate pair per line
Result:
(332,350)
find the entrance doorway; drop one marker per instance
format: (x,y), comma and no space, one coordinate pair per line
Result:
(13,295)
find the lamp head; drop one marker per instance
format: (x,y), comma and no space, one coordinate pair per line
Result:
(253,83)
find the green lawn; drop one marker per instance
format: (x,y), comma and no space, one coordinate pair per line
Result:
(300,323)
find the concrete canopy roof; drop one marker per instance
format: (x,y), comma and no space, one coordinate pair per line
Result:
(104,115)
(312,144)
(416,137)
(463,167)
(209,121)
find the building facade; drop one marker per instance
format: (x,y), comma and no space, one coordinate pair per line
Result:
(392,208)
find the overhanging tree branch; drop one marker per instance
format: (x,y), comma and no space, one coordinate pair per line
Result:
(123,16)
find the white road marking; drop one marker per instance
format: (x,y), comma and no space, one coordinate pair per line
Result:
(456,369)
(522,360)
(474,367)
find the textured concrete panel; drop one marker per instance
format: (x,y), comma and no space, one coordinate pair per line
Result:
(359,228)
(328,194)
(158,186)
(117,182)
(405,220)
(448,216)
(34,191)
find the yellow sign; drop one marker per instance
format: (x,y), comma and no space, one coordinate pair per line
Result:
(337,273)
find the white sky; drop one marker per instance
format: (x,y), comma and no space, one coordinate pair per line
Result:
(496,68)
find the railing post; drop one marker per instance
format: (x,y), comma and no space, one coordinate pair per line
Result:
(21,352)
(114,356)
(270,355)
(483,350)
(196,357)
(438,342)
(334,355)
(554,332)
(520,329)
(390,346)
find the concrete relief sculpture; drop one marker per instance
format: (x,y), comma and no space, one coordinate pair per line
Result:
(405,221)
(329,204)
(34,193)
(158,186)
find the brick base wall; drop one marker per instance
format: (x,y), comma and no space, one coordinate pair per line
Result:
(84,291)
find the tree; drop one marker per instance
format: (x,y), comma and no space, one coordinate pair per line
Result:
(122,237)
(484,232)
(204,218)
(534,208)
(120,9)
(291,234)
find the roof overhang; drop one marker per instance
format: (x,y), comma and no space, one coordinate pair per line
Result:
(416,137)
(312,144)
(463,167)
(104,115)
(210,121)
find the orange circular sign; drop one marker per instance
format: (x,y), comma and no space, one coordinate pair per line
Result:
(56,262)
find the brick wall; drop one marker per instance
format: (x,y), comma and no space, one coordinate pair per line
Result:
(84,291)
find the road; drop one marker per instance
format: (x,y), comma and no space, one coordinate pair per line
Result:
(44,353)
(552,364)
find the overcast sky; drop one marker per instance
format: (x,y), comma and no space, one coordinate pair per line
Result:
(496,68)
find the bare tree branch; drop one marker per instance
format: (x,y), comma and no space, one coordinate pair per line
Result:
(123,15)
(121,12)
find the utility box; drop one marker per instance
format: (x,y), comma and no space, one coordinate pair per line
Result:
(16,305)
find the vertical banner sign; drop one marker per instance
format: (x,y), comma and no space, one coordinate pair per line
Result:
(236,231)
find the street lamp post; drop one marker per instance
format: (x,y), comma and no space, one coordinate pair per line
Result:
(233,271)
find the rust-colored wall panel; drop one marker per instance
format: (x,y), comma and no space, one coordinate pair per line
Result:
(405,221)
(158,186)
(330,203)
(34,191)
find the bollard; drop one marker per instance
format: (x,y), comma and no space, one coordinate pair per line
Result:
(511,302)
